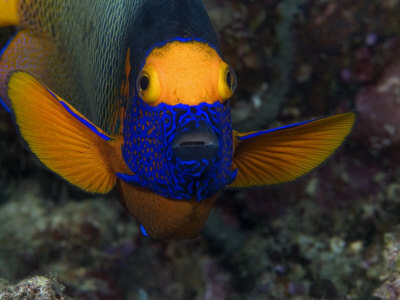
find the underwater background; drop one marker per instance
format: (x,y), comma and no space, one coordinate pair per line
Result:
(333,234)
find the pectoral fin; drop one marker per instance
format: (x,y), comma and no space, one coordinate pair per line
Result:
(63,139)
(283,154)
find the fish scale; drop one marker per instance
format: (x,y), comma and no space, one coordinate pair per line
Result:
(88,41)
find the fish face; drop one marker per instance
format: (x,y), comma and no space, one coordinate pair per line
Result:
(178,130)
(180,151)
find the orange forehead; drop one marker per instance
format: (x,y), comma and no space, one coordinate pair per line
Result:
(187,72)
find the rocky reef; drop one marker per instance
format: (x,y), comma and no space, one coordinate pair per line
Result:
(38,287)
(333,234)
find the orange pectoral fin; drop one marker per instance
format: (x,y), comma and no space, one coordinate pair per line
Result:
(63,139)
(283,154)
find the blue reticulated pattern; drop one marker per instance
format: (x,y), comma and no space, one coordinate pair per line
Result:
(147,149)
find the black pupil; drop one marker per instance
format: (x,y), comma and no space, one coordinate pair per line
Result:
(229,79)
(144,82)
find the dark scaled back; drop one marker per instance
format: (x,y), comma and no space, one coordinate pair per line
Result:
(157,22)
(84,57)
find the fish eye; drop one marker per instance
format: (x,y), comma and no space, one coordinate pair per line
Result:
(148,85)
(144,82)
(227,81)
(231,80)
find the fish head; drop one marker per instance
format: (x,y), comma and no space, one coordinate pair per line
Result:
(177,128)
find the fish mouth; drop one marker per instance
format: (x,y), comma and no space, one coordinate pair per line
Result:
(195,147)
(195,139)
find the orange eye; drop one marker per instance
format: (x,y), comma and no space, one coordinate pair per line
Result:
(227,81)
(148,85)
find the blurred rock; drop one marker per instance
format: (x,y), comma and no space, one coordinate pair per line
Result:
(390,286)
(35,288)
(38,236)
(378,109)
(346,45)
(324,289)
(218,281)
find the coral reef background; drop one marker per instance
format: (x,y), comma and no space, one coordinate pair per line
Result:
(333,234)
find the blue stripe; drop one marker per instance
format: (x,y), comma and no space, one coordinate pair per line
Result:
(5,106)
(128,178)
(261,132)
(1,55)
(144,232)
(85,122)
(6,46)
(82,120)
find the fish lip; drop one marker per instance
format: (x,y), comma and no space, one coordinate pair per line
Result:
(195,139)
(200,136)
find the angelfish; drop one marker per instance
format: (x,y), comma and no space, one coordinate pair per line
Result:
(134,95)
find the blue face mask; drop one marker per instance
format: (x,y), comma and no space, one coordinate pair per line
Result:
(181,151)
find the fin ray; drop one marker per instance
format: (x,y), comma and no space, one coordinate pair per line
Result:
(62,140)
(283,154)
